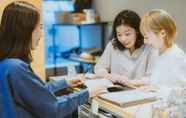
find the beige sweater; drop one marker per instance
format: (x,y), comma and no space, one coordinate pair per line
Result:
(134,66)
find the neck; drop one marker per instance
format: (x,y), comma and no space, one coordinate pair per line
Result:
(162,49)
(131,50)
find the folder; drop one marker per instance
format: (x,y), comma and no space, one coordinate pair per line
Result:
(129,98)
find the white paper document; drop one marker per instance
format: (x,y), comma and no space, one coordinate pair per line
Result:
(98,82)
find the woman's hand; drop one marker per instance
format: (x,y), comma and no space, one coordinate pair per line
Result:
(75,83)
(116,78)
(149,88)
(95,91)
(136,83)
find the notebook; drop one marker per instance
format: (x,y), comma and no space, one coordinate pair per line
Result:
(129,97)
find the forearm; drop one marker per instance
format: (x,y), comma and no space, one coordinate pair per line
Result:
(71,102)
(137,82)
(55,86)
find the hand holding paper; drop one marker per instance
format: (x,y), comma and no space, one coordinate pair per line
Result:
(97,86)
(75,83)
(116,78)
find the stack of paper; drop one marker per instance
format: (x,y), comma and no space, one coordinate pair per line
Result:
(129,98)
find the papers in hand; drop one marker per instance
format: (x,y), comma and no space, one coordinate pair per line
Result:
(129,98)
(98,82)
(98,86)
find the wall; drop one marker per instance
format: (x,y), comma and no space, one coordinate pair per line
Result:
(107,9)
(38,54)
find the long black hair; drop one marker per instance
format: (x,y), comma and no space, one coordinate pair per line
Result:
(19,20)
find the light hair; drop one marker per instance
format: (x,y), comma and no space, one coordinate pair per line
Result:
(157,20)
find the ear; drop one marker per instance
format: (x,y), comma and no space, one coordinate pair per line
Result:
(163,34)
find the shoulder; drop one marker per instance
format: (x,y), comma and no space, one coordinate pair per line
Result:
(16,69)
(150,50)
(13,64)
(109,46)
(177,53)
(175,56)
(178,50)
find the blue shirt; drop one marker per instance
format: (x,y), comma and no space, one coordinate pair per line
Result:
(32,98)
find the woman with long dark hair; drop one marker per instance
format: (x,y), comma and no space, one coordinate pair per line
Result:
(20,31)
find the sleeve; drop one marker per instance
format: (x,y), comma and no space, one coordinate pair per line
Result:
(103,65)
(55,86)
(32,95)
(151,60)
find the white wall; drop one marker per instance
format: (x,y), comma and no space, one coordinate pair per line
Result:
(108,9)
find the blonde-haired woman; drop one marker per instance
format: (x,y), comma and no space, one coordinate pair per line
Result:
(159,30)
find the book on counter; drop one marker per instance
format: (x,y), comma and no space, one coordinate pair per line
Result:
(129,97)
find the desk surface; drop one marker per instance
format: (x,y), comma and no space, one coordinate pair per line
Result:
(141,111)
(138,111)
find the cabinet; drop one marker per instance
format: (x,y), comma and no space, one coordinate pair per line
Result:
(81,38)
